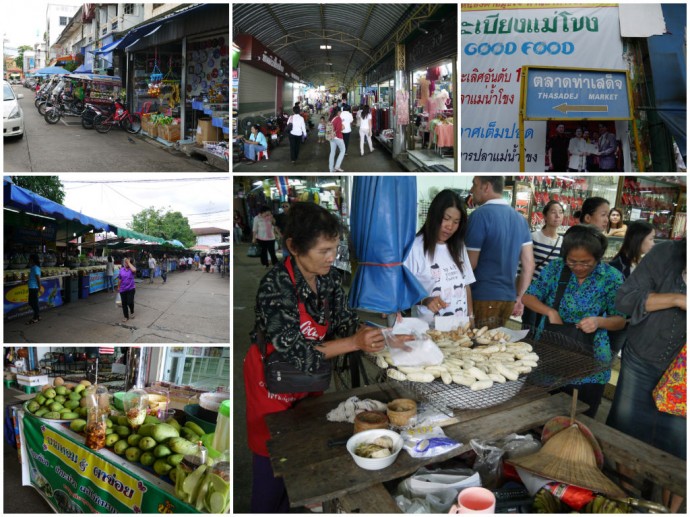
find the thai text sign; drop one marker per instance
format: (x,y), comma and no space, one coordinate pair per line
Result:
(495,45)
(17,298)
(74,479)
(576,94)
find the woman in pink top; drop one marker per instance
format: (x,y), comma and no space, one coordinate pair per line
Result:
(337,142)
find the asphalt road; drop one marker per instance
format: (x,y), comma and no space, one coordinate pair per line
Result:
(68,147)
(191,307)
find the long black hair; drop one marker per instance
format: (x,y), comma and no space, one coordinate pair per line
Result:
(589,207)
(456,244)
(630,250)
(365,112)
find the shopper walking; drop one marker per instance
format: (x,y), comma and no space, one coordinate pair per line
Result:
(334,134)
(264,236)
(127,288)
(152,267)
(109,273)
(497,240)
(164,268)
(34,287)
(364,129)
(298,131)
(197,262)
(238,227)
(190,261)
(346,117)
(207,263)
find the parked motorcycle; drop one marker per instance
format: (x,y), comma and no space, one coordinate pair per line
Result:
(91,111)
(65,107)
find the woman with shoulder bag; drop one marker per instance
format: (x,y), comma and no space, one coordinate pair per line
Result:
(302,317)
(296,133)
(576,294)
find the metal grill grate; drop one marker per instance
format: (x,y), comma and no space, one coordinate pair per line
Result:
(561,361)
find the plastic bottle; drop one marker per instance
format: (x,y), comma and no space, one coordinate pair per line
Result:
(221,438)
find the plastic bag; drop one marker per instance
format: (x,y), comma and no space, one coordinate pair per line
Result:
(427,442)
(253,250)
(420,352)
(489,462)
(118,300)
(433,491)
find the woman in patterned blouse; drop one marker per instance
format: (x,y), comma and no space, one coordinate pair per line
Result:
(301,310)
(588,301)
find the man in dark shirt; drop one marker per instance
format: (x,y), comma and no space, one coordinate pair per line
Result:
(558,150)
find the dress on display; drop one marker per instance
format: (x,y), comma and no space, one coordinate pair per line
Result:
(402,109)
(423,91)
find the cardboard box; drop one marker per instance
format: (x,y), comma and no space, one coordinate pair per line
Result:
(170,132)
(32,380)
(206,131)
(151,130)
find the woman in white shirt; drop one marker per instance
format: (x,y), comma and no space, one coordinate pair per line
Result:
(347,119)
(439,260)
(364,129)
(299,129)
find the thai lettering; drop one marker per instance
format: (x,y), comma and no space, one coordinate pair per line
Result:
(39,457)
(70,455)
(493,97)
(494,24)
(64,475)
(112,480)
(97,499)
(602,83)
(509,155)
(272,62)
(491,131)
(490,76)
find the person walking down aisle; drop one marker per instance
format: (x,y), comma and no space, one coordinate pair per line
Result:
(498,238)
(127,288)
(347,118)
(322,130)
(298,131)
(152,267)
(264,236)
(334,134)
(109,273)
(34,287)
(364,129)
(164,268)
(208,261)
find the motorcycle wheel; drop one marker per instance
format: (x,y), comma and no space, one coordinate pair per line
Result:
(133,124)
(38,101)
(42,108)
(52,116)
(101,124)
(87,122)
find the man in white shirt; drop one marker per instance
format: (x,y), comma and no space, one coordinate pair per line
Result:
(346,117)
(299,131)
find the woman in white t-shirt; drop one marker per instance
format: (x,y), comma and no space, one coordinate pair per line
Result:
(438,258)
(364,128)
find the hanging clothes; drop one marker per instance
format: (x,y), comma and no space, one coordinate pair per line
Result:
(433,73)
(423,91)
(402,107)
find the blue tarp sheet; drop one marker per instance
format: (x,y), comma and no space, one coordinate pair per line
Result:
(24,200)
(383,222)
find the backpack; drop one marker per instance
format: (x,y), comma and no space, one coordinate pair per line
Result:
(330,132)
(288,128)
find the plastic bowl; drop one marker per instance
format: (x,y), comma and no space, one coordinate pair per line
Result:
(370,436)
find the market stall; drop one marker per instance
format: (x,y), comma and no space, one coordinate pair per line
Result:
(154,448)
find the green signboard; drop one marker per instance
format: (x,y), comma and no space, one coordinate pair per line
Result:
(75,479)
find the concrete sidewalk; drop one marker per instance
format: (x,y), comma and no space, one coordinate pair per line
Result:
(192,307)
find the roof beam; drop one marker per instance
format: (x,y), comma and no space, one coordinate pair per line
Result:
(295,38)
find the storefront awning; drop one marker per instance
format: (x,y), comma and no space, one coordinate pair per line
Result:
(109,47)
(23,200)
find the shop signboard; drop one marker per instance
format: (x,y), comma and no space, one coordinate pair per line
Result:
(97,280)
(496,43)
(554,93)
(75,479)
(256,54)
(17,298)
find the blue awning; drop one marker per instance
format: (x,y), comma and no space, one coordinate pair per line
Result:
(23,200)
(83,69)
(109,47)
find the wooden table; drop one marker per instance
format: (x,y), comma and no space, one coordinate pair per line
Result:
(315,473)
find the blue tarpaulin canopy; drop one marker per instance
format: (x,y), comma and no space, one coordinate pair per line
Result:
(383,221)
(83,69)
(108,48)
(52,70)
(69,221)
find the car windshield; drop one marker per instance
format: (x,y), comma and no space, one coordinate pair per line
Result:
(8,94)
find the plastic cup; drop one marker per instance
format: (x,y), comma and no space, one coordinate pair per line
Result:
(475,500)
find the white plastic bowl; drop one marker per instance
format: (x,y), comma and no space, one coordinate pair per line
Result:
(368,437)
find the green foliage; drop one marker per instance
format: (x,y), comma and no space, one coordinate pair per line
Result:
(19,60)
(47,186)
(164,224)
(71,66)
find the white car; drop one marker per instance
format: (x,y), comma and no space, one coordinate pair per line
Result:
(13,116)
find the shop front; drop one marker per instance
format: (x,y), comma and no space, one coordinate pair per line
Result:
(178,74)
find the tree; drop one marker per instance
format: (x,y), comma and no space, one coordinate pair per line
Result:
(19,60)
(47,186)
(164,224)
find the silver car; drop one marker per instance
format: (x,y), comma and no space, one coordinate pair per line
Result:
(13,116)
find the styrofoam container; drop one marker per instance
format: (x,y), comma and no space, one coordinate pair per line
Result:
(368,437)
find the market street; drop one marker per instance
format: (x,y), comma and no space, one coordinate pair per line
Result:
(192,307)
(68,147)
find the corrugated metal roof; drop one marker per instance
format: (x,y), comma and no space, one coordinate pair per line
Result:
(295,32)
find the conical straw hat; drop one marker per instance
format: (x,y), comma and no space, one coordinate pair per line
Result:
(569,458)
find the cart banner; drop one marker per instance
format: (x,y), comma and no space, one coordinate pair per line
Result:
(495,45)
(74,479)
(17,298)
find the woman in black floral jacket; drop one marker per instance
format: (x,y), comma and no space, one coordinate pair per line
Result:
(301,310)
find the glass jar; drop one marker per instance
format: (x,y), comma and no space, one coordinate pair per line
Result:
(136,405)
(95,428)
